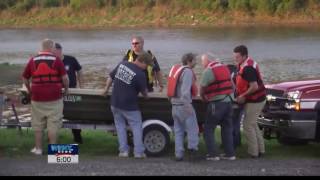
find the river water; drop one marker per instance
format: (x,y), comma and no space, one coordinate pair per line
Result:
(283,53)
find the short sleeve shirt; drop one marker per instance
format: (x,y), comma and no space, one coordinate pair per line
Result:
(128,81)
(72,66)
(45,92)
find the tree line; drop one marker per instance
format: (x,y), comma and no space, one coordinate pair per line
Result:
(270,7)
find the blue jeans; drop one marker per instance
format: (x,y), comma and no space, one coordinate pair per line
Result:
(219,113)
(134,120)
(185,120)
(236,118)
(1,105)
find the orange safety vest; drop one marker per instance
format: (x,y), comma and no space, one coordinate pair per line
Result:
(45,73)
(173,80)
(243,85)
(222,84)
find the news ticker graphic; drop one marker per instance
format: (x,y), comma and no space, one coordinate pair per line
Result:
(63,154)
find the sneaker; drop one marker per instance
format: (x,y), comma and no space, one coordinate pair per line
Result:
(36,151)
(123,155)
(194,155)
(254,157)
(178,159)
(261,155)
(212,158)
(229,158)
(140,156)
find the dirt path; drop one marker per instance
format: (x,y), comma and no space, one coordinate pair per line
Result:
(159,166)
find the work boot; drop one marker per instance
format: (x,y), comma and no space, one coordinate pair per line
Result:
(77,138)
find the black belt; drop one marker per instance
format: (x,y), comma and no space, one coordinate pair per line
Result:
(177,104)
(219,100)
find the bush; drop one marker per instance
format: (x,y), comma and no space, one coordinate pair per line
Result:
(81,4)
(149,3)
(101,3)
(287,6)
(239,5)
(51,3)
(24,5)
(214,4)
(163,2)
(5,4)
(263,6)
(184,4)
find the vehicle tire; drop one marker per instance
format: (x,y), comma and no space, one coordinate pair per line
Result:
(266,133)
(156,140)
(25,100)
(292,141)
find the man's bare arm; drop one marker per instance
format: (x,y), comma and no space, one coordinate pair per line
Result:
(65,82)
(27,84)
(108,85)
(80,78)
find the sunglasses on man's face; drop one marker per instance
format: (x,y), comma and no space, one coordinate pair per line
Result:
(135,43)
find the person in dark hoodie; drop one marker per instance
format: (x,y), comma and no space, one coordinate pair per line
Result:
(74,71)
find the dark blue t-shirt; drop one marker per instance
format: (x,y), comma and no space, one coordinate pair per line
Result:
(128,81)
(71,65)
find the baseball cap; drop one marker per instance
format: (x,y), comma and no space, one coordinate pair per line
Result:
(58,46)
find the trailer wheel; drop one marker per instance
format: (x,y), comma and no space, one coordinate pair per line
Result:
(156,140)
(25,100)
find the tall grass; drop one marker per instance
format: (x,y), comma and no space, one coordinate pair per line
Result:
(250,6)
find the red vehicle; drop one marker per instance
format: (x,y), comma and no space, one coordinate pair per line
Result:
(292,112)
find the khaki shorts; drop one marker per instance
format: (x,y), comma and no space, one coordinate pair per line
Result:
(47,115)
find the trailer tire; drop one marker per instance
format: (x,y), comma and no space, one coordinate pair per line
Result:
(25,100)
(156,140)
(292,141)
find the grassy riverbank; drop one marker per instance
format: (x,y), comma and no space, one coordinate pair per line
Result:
(93,15)
(100,143)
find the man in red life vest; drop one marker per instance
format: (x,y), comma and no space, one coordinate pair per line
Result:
(250,92)
(181,88)
(48,77)
(216,88)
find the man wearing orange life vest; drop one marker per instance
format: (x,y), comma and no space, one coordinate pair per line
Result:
(48,77)
(250,92)
(181,88)
(216,88)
